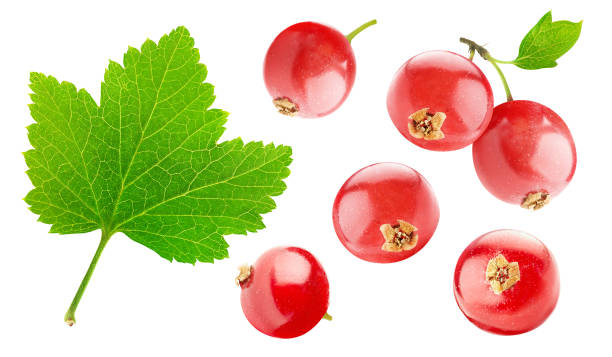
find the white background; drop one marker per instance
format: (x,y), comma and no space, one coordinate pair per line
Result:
(140,304)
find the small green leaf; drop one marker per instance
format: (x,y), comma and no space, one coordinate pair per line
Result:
(546,42)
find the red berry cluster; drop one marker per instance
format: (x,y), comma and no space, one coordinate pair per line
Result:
(506,281)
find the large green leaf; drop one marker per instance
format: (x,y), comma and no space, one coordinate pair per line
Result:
(146,161)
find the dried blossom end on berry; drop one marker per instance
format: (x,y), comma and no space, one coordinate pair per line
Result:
(399,237)
(244,275)
(285,106)
(426,125)
(501,274)
(536,200)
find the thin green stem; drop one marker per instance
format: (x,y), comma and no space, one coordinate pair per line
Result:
(69,317)
(503,78)
(500,61)
(472,53)
(352,35)
(327,317)
(484,53)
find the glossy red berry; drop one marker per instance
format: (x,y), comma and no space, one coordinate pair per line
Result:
(506,282)
(285,293)
(309,69)
(385,213)
(440,101)
(526,156)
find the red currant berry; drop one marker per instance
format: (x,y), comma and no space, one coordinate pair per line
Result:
(506,282)
(309,69)
(385,213)
(440,101)
(285,293)
(526,156)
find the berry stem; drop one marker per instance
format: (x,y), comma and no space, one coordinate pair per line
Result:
(355,32)
(327,317)
(69,318)
(484,53)
(503,78)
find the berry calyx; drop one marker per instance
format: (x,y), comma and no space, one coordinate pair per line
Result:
(426,125)
(536,200)
(286,106)
(400,236)
(285,293)
(309,69)
(385,213)
(501,274)
(440,100)
(244,275)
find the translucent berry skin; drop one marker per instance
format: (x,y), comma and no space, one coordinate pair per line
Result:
(524,306)
(381,194)
(443,82)
(312,65)
(287,293)
(527,148)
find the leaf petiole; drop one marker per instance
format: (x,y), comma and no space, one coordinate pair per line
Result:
(69,318)
(504,62)
(484,53)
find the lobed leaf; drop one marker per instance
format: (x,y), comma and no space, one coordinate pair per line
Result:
(146,161)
